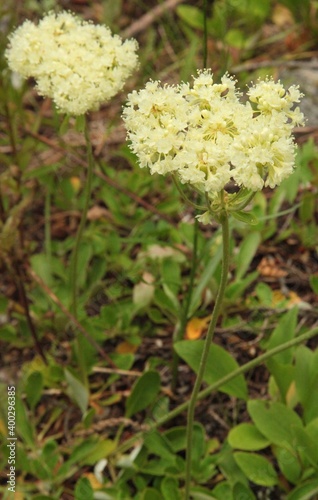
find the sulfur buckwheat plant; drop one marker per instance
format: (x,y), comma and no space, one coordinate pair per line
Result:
(80,66)
(208,137)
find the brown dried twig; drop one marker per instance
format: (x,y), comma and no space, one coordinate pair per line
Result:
(149,18)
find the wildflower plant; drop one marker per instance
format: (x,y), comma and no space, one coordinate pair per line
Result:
(208,138)
(80,66)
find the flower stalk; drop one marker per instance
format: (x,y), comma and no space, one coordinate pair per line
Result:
(224,220)
(76,249)
(79,234)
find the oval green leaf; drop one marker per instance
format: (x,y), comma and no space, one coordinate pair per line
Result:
(169,489)
(306,491)
(247,251)
(159,445)
(220,363)
(245,217)
(151,494)
(144,392)
(247,437)
(83,490)
(243,491)
(33,388)
(284,331)
(77,390)
(275,421)
(256,468)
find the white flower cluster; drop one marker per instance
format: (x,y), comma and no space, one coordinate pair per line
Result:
(76,63)
(208,137)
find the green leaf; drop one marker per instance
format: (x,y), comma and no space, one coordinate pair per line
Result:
(80,123)
(171,296)
(236,289)
(240,198)
(247,437)
(260,9)
(245,217)
(8,333)
(220,363)
(264,294)
(313,280)
(306,379)
(77,390)
(144,392)
(198,443)
(123,361)
(306,491)
(257,469)
(4,303)
(166,301)
(150,494)
(169,489)
(191,15)
(170,273)
(161,407)
(101,450)
(154,467)
(33,388)
(247,250)
(305,445)
(41,265)
(206,277)
(84,490)
(24,425)
(84,256)
(40,469)
(50,454)
(223,491)
(288,463)
(229,467)
(283,375)
(64,125)
(312,431)
(159,445)
(42,172)
(177,437)
(235,38)
(199,493)
(275,421)
(81,451)
(307,207)
(285,330)
(242,491)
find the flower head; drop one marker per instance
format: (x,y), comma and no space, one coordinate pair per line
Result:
(208,137)
(76,63)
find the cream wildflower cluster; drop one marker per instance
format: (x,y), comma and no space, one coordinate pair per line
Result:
(208,137)
(76,63)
